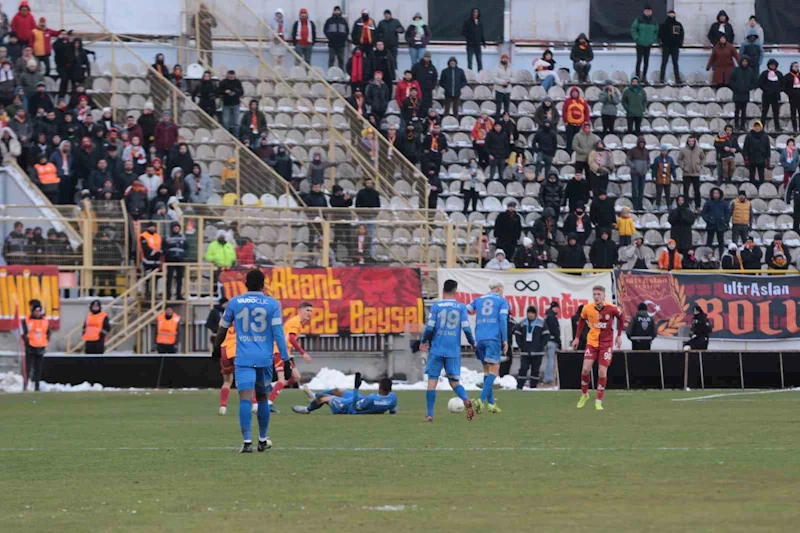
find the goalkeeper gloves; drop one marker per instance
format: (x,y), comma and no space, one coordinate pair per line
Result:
(287,369)
(358,380)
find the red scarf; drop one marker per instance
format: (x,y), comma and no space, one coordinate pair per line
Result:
(434,143)
(304,32)
(280,29)
(366,32)
(254,122)
(357,68)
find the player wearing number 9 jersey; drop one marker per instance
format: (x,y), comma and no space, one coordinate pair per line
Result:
(258,324)
(443,336)
(491,333)
(599,316)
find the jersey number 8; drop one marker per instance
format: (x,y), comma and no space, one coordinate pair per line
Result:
(254,319)
(487,307)
(449,319)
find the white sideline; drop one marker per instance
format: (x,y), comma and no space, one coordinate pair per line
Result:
(728,394)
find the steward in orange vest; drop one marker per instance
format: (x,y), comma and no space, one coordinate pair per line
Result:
(36,335)
(45,175)
(150,242)
(96,327)
(168,327)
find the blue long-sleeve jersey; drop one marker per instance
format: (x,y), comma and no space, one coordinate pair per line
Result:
(352,403)
(443,330)
(491,322)
(259,324)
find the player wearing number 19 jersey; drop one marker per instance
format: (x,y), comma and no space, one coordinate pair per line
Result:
(258,324)
(443,336)
(600,343)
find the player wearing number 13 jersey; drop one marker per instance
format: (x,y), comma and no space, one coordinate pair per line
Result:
(600,342)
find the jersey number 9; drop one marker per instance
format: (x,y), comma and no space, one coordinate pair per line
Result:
(254,319)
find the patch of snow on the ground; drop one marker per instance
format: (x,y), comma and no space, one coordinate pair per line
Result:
(12,382)
(328,378)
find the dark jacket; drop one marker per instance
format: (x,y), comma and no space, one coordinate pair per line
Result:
(716,213)
(671,33)
(602,213)
(539,335)
(525,257)
(756,148)
(575,319)
(312,30)
(741,82)
(700,332)
(789,86)
(641,330)
(336,31)
(378,97)
(497,144)
(452,79)
(571,226)
(576,191)
(542,229)
(751,258)
(235,86)
(387,32)
(681,219)
(316,199)
(571,256)
(551,321)
(472,32)
(603,253)
(545,140)
(176,248)
(247,117)
(581,54)
(416,39)
(721,142)
(358,30)
(384,61)
(426,75)
(773,257)
(338,200)
(551,194)
(206,94)
(368,198)
(543,113)
(507,227)
(714,33)
(770,88)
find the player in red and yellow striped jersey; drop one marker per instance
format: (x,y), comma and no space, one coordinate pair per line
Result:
(291,330)
(600,342)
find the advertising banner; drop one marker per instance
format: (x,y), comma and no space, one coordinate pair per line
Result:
(740,307)
(354,300)
(19,284)
(523,288)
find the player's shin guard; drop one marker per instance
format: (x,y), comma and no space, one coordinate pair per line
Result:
(245,418)
(276,390)
(585,383)
(263,419)
(601,387)
(460,392)
(430,399)
(487,394)
(224,392)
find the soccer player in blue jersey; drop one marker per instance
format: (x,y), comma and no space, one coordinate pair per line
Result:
(258,324)
(491,332)
(343,402)
(442,340)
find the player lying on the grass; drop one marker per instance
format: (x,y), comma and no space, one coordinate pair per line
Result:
(600,343)
(491,334)
(258,324)
(345,402)
(442,340)
(291,331)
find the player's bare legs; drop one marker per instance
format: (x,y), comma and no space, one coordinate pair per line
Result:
(224,392)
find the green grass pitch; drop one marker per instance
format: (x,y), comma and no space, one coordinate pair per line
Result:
(159,461)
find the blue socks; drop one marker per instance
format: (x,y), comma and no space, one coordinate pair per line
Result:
(263,419)
(246,418)
(430,398)
(460,392)
(313,406)
(487,393)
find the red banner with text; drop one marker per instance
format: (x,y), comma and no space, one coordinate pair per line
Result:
(355,300)
(19,285)
(740,307)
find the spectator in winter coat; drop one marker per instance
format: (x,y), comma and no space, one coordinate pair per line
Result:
(544,145)
(546,111)
(664,171)
(136,202)
(603,252)
(641,330)
(716,213)
(634,255)
(789,162)
(483,125)
(791,86)
(691,160)
(281,33)
(231,91)
(551,193)
(498,148)
(578,223)
(336,31)
(283,164)
(198,185)
(610,98)
(634,101)
(751,255)
(364,32)
(24,23)
(721,61)
(166,134)
(418,35)
(576,192)
(317,168)
(681,220)
(542,250)
(253,125)
(625,226)
(726,147)
(499,262)
(741,217)
(756,152)
(304,35)
(508,229)
(752,49)
(752,23)
(601,164)
(378,95)
(572,255)
(721,28)
(151,181)
(30,78)
(403,89)
(771,84)
(452,80)
(644,31)
(602,212)
(389,31)
(383,61)
(742,81)
(671,35)
(473,33)
(427,76)
(471,179)
(41,44)
(316,198)
(359,68)
(581,56)
(777,257)
(546,225)
(731,259)
(583,144)
(524,256)
(576,117)
(545,70)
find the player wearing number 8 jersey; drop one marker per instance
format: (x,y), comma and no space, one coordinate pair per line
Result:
(258,324)
(600,342)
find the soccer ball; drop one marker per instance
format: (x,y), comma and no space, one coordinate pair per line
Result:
(455,405)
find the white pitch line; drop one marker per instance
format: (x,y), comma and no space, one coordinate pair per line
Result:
(729,394)
(434,450)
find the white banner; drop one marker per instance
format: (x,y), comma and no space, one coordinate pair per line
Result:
(523,288)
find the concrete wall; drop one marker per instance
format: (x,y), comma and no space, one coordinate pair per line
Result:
(697,16)
(560,21)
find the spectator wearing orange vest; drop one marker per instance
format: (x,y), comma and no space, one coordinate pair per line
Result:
(670,258)
(168,328)
(36,336)
(575,113)
(42,43)
(45,175)
(150,242)
(96,327)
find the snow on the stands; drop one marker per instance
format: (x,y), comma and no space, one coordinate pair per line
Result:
(328,378)
(12,382)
